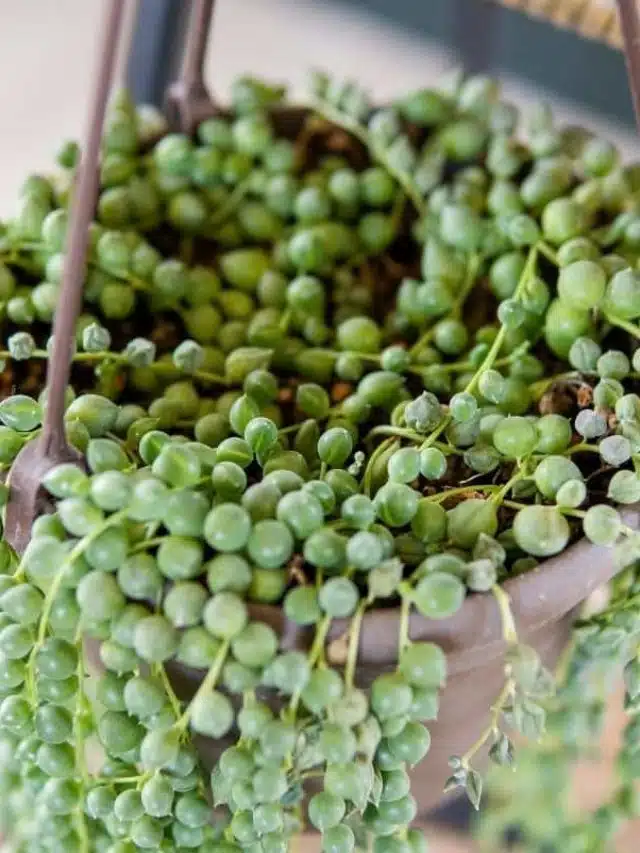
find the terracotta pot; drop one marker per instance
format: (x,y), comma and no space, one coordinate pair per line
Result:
(544,602)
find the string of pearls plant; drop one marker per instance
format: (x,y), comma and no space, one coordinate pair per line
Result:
(388,362)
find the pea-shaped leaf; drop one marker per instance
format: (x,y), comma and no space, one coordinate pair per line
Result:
(21,413)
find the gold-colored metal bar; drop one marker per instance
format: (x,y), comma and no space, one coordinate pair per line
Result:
(592,19)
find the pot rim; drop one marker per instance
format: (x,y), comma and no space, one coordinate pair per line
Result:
(551,591)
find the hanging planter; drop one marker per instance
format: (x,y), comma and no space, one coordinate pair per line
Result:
(340,428)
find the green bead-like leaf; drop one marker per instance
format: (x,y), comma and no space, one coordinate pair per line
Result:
(66,481)
(20,413)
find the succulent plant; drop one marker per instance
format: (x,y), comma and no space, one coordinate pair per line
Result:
(386,360)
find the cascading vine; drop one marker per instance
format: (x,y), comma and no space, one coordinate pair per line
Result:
(385,361)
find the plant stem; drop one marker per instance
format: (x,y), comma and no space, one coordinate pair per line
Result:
(466,366)
(631,328)
(492,355)
(403,632)
(416,437)
(565,510)
(284,321)
(79,746)
(520,474)
(496,712)
(315,654)
(53,590)
(208,683)
(440,497)
(81,828)
(81,762)
(473,266)
(319,640)
(79,817)
(76,552)
(547,251)
(333,115)
(583,447)
(510,636)
(354,643)
(231,202)
(377,453)
(509,633)
(299,424)
(173,699)
(148,543)
(121,358)
(397,432)
(126,780)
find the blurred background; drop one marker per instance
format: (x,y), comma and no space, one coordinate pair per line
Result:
(46,58)
(389,45)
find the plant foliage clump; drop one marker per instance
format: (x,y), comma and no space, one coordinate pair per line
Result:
(386,359)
